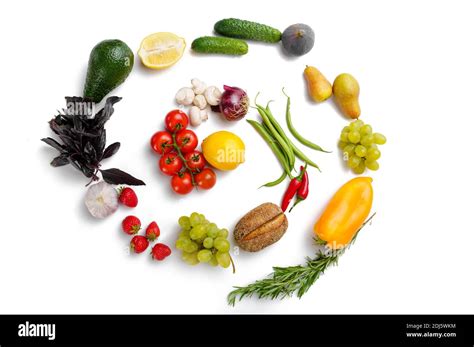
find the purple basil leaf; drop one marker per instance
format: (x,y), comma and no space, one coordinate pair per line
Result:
(89,150)
(100,144)
(70,142)
(104,115)
(60,161)
(79,165)
(77,124)
(82,139)
(53,143)
(64,117)
(111,150)
(53,126)
(88,172)
(83,133)
(74,163)
(116,176)
(60,127)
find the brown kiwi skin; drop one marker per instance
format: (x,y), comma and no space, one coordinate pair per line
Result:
(260,227)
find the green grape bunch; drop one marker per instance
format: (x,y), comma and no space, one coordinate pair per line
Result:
(203,242)
(359,146)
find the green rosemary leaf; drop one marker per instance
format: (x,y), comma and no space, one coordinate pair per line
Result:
(285,281)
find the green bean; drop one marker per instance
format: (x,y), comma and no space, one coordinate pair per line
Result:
(272,144)
(284,174)
(266,128)
(295,133)
(303,157)
(290,164)
(276,124)
(292,146)
(280,130)
(276,135)
(277,181)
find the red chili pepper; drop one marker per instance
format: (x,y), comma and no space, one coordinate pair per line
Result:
(303,189)
(292,189)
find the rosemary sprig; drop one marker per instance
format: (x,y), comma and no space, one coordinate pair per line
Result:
(285,281)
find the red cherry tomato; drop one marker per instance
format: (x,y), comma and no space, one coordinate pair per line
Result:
(182,183)
(162,142)
(195,160)
(176,120)
(170,164)
(186,140)
(206,179)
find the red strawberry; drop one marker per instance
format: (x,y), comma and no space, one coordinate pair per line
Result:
(152,231)
(139,244)
(160,251)
(131,225)
(128,197)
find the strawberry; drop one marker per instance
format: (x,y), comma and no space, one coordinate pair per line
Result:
(139,244)
(160,251)
(128,197)
(131,225)
(152,231)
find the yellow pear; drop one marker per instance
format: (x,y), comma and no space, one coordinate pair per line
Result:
(319,88)
(346,93)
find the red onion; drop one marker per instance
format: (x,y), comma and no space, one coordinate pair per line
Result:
(234,103)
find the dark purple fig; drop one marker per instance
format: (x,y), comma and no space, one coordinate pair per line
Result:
(298,39)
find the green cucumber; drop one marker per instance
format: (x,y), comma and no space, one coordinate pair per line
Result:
(244,29)
(219,45)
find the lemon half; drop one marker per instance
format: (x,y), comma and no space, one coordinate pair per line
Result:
(161,50)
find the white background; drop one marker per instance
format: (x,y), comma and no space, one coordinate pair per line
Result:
(414,62)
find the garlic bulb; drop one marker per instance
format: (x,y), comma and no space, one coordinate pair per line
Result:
(101,200)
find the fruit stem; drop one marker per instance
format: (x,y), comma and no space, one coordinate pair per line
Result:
(180,155)
(232,262)
(93,178)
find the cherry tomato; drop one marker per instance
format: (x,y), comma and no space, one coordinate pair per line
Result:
(206,179)
(170,164)
(186,140)
(195,160)
(176,120)
(182,183)
(162,142)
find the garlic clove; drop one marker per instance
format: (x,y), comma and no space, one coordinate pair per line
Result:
(198,86)
(184,96)
(200,101)
(213,95)
(195,116)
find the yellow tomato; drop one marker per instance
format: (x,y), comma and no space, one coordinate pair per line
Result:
(223,150)
(345,213)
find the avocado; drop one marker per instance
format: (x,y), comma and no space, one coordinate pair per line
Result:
(247,30)
(110,63)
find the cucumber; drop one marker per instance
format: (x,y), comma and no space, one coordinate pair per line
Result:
(244,29)
(219,45)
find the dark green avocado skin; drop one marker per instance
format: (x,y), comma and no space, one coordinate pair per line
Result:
(110,63)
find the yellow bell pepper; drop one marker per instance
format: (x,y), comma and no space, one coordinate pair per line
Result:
(345,213)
